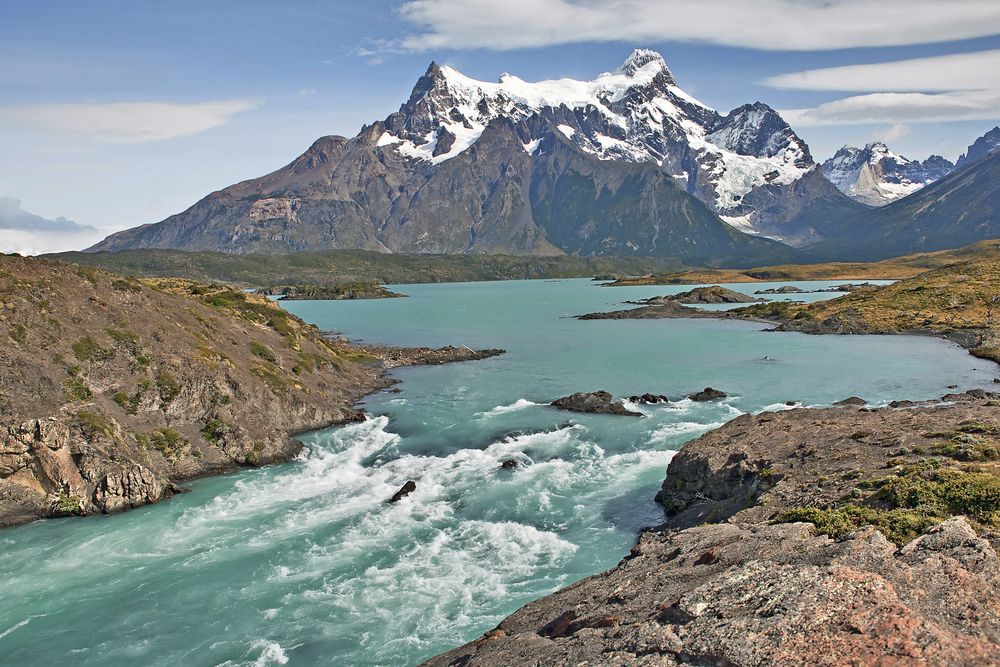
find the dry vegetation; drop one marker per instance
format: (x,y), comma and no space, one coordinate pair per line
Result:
(960,300)
(889,269)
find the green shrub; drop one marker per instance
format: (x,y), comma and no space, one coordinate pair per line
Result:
(127,339)
(275,382)
(214,430)
(167,386)
(982,428)
(899,526)
(165,440)
(68,503)
(19,334)
(263,351)
(904,505)
(93,425)
(76,388)
(130,403)
(125,286)
(944,493)
(86,349)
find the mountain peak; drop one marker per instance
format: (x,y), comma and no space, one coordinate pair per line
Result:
(875,175)
(982,147)
(640,58)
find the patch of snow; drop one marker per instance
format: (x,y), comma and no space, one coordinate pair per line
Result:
(740,222)
(532,146)
(424,151)
(566,130)
(387,140)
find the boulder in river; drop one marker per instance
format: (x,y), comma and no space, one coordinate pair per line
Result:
(594,402)
(404,491)
(852,400)
(649,399)
(707,394)
(509,464)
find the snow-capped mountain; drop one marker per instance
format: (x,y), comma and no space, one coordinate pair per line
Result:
(981,147)
(626,163)
(876,176)
(636,113)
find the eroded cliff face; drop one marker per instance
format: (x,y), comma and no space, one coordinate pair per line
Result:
(745,571)
(112,390)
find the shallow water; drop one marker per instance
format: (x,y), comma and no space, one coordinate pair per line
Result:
(305,563)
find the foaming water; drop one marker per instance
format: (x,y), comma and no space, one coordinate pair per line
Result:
(307,563)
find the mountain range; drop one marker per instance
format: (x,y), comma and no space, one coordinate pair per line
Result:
(960,208)
(624,164)
(876,176)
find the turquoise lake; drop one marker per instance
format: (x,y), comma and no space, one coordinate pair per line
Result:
(305,563)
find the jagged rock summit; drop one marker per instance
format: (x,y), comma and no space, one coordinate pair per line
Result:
(626,163)
(981,147)
(876,176)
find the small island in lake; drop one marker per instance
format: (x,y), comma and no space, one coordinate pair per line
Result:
(341,292)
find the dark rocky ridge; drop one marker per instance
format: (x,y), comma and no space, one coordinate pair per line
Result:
(720,584)
(113,391)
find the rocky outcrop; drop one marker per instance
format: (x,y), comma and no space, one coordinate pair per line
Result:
(786,289)
(339,292)
(707,394)
(728,594)
(113,391)
(594,402)
(649,399)
(667,310)
(701,295)
(404,491)
(733,579)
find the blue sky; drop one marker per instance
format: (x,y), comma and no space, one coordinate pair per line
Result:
(116,113)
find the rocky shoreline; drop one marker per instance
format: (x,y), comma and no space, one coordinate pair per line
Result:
(955,302)
(115,391)
(744,570)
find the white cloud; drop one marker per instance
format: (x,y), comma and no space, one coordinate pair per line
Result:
(12,216)
(961,71)
(127,122)
(804,25)
(900,108)
(963,86)
(29,234)
(892,133)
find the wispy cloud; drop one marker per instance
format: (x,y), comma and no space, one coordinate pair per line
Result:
(955,87)
(900,108)
(761,24)
(128,122)
(31,234)
(979,70)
